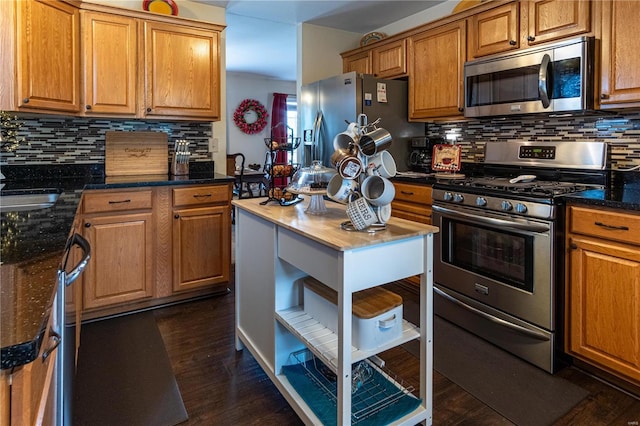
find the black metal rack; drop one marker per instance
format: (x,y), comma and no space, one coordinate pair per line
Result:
(279,169)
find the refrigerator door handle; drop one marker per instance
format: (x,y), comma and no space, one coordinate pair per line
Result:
(317,125)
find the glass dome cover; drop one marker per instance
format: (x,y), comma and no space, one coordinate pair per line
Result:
(312,179)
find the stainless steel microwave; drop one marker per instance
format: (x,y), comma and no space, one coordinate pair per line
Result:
(556,77)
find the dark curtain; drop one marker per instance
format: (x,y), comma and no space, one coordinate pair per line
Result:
(279,128)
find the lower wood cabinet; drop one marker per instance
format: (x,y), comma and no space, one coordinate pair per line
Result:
(119,227)
(603,292)
(201,237)
(28,393)
(412,202)
(121,265)
(157,245)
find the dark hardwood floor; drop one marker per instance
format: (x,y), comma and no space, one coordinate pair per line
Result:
(224,387)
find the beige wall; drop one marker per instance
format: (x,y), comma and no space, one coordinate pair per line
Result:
(319,51)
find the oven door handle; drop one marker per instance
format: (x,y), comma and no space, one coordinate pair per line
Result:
(489,317)
(494,221)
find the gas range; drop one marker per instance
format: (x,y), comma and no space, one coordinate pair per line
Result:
(499,255)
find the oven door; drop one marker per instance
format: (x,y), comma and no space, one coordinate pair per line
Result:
(501,261)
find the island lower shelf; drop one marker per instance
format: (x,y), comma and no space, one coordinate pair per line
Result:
(324,343)
(380,398)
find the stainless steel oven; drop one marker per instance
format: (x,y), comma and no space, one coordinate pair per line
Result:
(498,266)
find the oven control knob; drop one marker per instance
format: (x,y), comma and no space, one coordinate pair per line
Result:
(447,196)
(458,198)
(481,201)
(506,206)
(521,208)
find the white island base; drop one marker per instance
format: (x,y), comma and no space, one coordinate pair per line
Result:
(278,246)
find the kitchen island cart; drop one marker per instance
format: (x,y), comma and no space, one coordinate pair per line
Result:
(276,250)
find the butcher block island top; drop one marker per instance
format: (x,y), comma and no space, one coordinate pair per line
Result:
(326,229)
(280,248)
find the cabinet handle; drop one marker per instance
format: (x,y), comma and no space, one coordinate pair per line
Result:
(531,38)
(87,225)
(88,107)
(201,195)
(604,96)
(512,42)
(25,100)
(573,246)
(406,192)
(148,109)
(119,202)
(618,228)
(56,341)
(176,216)
(461,109)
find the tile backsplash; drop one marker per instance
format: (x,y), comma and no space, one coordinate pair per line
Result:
(68,140)
(621,132)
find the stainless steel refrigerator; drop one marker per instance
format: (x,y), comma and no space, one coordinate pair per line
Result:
(327,106)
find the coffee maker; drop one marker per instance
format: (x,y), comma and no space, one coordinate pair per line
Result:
(420,154)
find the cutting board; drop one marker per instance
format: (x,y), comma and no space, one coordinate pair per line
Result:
(136,153)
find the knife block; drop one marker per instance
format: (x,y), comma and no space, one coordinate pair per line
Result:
(179,169)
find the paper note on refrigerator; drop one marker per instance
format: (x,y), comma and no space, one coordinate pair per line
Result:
(382,92)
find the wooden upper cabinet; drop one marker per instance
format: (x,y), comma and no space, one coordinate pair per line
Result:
(436,69)
(181,71)
(494,31)
(620,80)
(548,20)
(109,46)
(390,60)
(47,56)
(359,62)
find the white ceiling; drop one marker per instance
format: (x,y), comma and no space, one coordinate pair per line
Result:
(261,35)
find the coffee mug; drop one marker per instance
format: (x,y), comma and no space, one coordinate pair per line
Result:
(378,190)
(381,164)
(341,190)
(361,214)
(350,167)
(375,141)
(383,213)
(346,139)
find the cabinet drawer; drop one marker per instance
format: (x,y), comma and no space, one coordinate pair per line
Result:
(418,194)
(612,225)
(104,201)
(195,196)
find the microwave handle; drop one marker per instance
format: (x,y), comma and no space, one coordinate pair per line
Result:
(543,81)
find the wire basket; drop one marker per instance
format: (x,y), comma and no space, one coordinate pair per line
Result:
(375,391)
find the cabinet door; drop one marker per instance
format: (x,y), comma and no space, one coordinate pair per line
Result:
(436,72)
(390,60)
(201,247)
(48,46)
(360,63)
(121,266)
(110,63)
(620,60)
(554,19)
(182,71)
(494,31)
(605,305)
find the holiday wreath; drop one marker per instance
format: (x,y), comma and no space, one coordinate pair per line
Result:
(240,116)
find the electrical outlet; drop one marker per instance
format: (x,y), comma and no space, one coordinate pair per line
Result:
(213,145)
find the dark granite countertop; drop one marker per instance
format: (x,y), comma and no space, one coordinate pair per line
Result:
(32,243)
(624,193)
